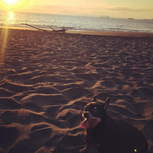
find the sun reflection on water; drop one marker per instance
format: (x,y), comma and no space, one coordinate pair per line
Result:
(11,17)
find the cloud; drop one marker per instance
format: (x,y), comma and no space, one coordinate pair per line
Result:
(61,9)
(79,10)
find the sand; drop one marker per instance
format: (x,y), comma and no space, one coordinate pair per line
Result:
(46,79)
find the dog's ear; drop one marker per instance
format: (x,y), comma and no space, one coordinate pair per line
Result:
(94,99)
(106,103)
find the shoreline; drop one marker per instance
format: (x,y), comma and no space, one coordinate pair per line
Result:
(117,33)
(96,33)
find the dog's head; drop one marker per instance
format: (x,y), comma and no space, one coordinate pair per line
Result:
(93,113)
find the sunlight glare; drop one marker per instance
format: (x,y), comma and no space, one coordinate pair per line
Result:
(11,17)
(4,36)
(10,2)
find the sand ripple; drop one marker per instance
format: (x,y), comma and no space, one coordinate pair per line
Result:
(47,79)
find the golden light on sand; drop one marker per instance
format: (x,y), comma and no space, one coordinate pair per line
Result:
(10,2)
(4,36)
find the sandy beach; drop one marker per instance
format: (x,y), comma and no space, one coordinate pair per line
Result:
(47,78)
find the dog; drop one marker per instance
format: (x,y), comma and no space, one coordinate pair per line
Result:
(110,135)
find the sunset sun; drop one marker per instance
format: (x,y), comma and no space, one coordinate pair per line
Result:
(10,2)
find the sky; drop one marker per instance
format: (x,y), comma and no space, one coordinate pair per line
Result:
(139,9)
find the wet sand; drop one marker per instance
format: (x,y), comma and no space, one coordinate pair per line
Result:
(46,79)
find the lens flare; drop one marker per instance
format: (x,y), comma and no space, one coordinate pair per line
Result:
(3,38)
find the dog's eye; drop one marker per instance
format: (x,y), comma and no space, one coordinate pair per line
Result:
(95,107)
(95,111)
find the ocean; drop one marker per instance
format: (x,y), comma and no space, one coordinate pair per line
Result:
(45,21)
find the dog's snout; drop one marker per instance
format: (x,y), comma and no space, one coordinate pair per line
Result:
(86,114)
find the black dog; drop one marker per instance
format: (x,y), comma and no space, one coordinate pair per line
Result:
(110,135)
